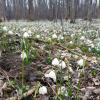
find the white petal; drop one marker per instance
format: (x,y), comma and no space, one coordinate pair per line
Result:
(62,65)
(23,55)
(55,62)
(51,74)
(80,62)
(54,36)
(43,90)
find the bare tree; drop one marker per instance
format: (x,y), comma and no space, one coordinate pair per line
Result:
(49,9)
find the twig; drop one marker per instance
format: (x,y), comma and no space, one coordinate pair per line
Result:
(53,90)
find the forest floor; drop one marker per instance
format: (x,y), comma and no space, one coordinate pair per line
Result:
(47,61)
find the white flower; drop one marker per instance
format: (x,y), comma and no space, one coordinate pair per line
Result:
(25,35)
(72,35)
(82,38)
(29,32)
(4,28)
(24,29)
(10,33)
(55,62)
(92,45)
(51,74)
(60,37)
(63,91)
(23,55)
(71,42)
(88,41)
(43,90)
(81,62)
(65,33)
(62,65)
(37,36)
(54,36)
(55,31)
(18,34)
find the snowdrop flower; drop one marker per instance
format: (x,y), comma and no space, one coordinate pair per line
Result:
(72,35)
(18,34)
(23,55)
(63,91)
(62,65)
(24,29)
(37,36)
(54,31)
(82,38)
(65,33)
(4,28)
(51,74)
(81,62)
(46,30)
(71,42)
(60,37)
(89,49)
(88,42)
(25,35)
(92,45)
(54,36)
(10,33)
(29,32)
(55,62)
(43,90)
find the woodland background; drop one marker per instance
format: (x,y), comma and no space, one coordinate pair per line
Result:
(49,9)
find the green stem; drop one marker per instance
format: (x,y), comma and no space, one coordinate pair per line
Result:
(22,73)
